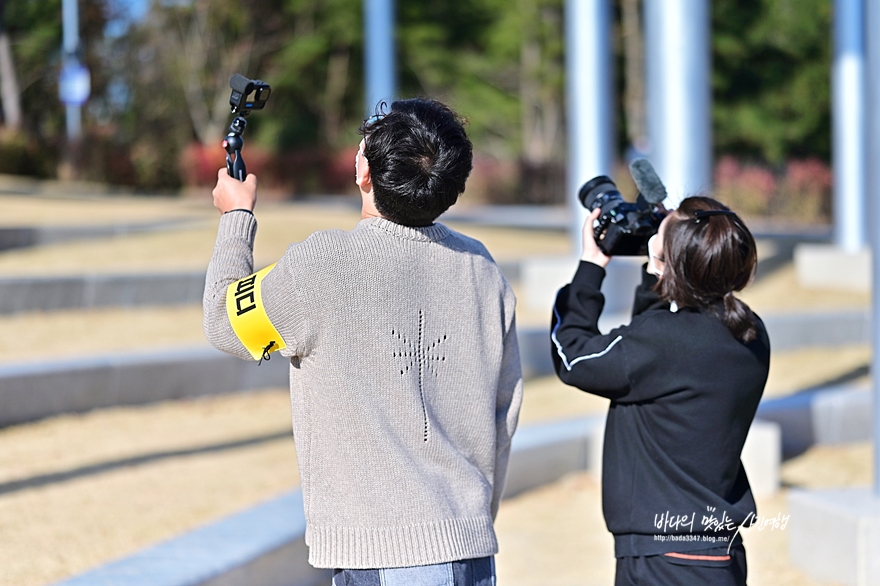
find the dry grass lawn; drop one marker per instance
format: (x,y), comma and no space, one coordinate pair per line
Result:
(79,490)
(548,399)
(107,483)
(781,292)
(42,211)
(134,476)
(189,248)
(40,337)
(566,519)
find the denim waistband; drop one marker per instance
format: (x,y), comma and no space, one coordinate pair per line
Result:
(472,572)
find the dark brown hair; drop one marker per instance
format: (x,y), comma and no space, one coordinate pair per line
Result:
(709,253)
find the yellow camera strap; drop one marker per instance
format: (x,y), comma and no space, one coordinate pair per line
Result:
(247,314)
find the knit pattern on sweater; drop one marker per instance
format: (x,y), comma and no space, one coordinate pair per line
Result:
(405,385)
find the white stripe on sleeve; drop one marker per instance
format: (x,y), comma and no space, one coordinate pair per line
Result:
(565,361)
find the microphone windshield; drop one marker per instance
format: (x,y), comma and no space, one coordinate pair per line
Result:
(647,181)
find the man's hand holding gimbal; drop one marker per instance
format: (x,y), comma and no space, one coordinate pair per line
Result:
(231,194)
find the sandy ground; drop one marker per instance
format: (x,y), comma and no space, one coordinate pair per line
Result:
(781,292)
(30,211)
(582,551)
(42,337)
(189,248)
(566,519)
(79,490)
(547,398)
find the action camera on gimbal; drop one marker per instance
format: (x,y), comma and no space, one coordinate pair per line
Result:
(247,94)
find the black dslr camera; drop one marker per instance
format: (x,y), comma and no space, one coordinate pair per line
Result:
(623,228)
(247,94)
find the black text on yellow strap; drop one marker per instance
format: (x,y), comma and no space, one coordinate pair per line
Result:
(245,291)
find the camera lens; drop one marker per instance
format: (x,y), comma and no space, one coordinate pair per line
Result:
(598,191)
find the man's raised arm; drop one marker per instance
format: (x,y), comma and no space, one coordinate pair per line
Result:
(233,258)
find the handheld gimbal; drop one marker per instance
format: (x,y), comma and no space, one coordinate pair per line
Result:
(247,94)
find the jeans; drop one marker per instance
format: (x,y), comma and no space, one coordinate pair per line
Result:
(474,572)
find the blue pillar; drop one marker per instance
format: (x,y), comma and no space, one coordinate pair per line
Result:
(848,125)
(70,46)
(872,20)
(590,87)
(679,95)
(379,54)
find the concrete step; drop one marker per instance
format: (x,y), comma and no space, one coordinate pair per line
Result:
(12,237)
(27,294)
(37,390)
(34,391)
(265,545)
(828,416)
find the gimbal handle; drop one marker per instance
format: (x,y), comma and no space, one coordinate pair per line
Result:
(233,143)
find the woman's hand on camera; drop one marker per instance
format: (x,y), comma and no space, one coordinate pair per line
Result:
(592,253)
(232,194)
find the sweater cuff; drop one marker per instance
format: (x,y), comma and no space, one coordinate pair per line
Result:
(238,225)
(589,274)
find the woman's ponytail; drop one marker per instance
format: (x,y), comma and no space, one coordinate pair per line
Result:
(738,318)
(709,254)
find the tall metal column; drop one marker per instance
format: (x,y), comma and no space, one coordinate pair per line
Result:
(380,56)
(589,91)
(70,45)
(679,94)
(848,119)
(872,22)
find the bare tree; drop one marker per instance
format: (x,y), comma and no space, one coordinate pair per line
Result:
(204,60)
(634,58)
(334,92)
(10,94)
(322,51)
(541,83)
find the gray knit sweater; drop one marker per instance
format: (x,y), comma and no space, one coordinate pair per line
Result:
(405,384)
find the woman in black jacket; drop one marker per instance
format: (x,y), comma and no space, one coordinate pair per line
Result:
(684,378)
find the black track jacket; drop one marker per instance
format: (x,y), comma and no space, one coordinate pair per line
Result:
(684,392)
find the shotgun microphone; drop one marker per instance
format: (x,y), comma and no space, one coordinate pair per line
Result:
(647,181)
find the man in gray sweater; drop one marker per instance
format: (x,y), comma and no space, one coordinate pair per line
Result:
(405,378)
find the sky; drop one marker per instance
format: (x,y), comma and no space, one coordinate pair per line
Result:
(133,10)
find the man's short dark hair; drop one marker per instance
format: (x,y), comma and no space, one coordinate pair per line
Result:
(420,158)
